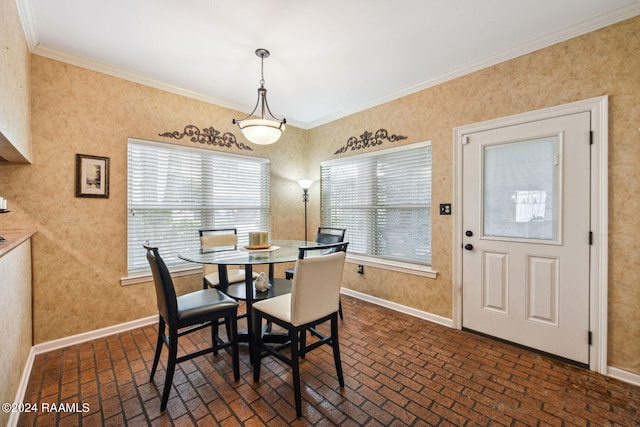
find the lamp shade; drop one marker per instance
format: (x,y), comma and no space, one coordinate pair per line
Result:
(261,131)
(305,183)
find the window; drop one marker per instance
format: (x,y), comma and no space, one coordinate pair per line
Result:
(173,191)
(383,199)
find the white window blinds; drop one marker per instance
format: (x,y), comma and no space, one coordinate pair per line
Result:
(383,199)
(173,191)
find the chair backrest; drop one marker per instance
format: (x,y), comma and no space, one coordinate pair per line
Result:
(217,239)
(330,235)
(165,292)
(315,290)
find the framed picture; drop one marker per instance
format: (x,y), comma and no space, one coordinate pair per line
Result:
(92,176)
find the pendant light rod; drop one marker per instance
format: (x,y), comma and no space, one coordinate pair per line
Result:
(264,130)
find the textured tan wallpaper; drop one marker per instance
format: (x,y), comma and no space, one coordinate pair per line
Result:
(15,276)
(605,62)
(15,313)
(79,252)
(14,86)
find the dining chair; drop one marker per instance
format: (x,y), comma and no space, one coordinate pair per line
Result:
(324,235)
(220,239)
(193,311)
(314,299)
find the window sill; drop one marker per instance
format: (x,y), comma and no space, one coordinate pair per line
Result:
(401,267)
(147,277)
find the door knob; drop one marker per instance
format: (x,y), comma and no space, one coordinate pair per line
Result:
(468,246)
(468,233)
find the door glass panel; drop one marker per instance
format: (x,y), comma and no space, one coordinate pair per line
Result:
(521,189)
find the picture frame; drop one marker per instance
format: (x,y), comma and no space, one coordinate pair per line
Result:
(92,176)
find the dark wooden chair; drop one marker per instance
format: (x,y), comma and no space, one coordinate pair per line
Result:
(324,235)
(194,311)
(314,299)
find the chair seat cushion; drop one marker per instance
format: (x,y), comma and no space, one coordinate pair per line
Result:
(202,302)
(234,276)
(278,307)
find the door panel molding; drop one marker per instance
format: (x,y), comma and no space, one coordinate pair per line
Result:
(598,107)
(542,289)
(495,270)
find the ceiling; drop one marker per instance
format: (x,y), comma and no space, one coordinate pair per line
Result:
(329,58)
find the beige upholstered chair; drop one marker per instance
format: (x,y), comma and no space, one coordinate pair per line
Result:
(188,313)
(314,299)
(325,235)
(219,239)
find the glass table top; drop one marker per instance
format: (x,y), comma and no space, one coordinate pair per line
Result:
(280,251)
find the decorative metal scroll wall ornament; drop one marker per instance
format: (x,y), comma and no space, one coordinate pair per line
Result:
(208,136)
(368,139)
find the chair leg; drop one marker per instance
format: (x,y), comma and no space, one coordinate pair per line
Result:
(336,349)
(160,343)
(257,345)
(295,365)
(215,328)
(303,343)
(227,324)
(232,333)
(171,365)
(340,310)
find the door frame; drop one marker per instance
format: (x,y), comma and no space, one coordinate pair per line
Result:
(598,270)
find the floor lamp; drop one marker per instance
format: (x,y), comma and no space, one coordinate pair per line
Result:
(305,184)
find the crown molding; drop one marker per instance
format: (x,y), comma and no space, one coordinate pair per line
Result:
(533,45)
(601,21)
(25,12)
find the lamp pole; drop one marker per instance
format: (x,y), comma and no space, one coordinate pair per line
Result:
(305,199)
(305,184)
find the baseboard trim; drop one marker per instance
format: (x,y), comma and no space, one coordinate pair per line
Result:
(92,335)
(399,307)
(622,375)
(22,388)
(66,342)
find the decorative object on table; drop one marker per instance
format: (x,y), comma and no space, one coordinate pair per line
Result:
(208,136)
(262,131)
(305,184)
(256,252)
(262,282)
(92,176)
(258,240)
(368,139)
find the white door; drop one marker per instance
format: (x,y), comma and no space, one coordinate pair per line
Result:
(525,219)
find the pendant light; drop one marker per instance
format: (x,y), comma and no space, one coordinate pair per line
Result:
(265,130)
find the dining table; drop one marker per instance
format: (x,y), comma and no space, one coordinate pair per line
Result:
(279,251)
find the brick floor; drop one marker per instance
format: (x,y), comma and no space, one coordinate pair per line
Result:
(399,370)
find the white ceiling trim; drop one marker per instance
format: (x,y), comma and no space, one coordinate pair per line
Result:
(531,46)
(80,61)
(28,22)
(26,16)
